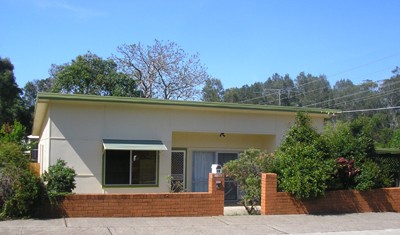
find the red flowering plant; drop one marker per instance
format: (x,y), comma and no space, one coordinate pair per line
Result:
(345,173)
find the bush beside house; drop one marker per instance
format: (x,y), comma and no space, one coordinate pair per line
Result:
(21,191)
(308,163)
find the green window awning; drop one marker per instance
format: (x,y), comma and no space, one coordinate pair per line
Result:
(113,144)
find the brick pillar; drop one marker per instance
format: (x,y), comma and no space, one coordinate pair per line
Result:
(269,184)
(217,192)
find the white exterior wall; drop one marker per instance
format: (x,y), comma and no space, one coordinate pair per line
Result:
(77,131)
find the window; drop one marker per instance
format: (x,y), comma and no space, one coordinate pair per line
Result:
(130,167)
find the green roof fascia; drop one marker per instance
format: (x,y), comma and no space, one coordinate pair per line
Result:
(146,101)
(387,150)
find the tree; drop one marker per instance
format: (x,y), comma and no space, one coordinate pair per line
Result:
(32,88)
(249,94)
(280,90)
(246,171)
(312,90)
(9,92)
(89,74)
(304,164)
(162,70)
(213,91)
(391,96)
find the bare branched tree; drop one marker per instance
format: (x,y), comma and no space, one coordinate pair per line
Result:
(162,70)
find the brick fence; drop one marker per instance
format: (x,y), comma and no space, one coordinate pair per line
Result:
(209,203)
(340,201)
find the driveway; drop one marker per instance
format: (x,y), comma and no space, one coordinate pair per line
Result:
(366,223)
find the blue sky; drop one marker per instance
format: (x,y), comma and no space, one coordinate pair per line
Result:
(241,42)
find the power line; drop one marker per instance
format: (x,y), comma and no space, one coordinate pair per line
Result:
(353,94)
(322,80)
(368,110)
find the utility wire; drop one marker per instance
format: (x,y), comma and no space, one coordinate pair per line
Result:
(348,95)
(326,77)
(368,110)
(368,97)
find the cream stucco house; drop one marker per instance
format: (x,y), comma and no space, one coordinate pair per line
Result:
(129,145)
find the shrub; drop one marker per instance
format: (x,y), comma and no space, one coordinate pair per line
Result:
(174,186)
(395,141)
(354,141)
(20,191)
(371,176)
(19,187)
(304,165)
(12,154)
(60,179)
(246,171)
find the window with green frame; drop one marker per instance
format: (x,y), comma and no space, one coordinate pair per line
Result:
(130,168)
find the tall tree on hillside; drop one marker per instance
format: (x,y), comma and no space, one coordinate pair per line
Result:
(162,70)
(213,91)
(343,93)
(11,107)
(248,94)
(390,92)
(280,90)
(312,90)
(91,75)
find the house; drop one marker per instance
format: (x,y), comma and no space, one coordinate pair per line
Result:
(130,145)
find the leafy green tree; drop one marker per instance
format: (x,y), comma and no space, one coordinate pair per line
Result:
(249,94)
(32,88)
(280,90)
(9,92)
(91,75)
(213,91)
(12,133)
(304,163)
(312,90)
(246,171)
(391,97)
(162,70)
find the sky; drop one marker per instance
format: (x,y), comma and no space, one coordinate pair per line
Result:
(240,42)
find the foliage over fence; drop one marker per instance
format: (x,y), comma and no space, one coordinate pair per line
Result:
(309,163)
(246,171)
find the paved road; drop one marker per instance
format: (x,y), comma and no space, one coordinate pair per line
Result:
(367,223)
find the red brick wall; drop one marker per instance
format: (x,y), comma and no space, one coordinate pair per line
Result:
(340,201)
(152,204)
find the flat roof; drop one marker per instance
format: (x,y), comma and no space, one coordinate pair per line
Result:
(218,105)
(43,99)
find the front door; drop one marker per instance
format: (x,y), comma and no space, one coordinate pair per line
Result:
(201,167)
(231,189)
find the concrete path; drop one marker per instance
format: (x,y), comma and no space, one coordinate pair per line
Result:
(367,223)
